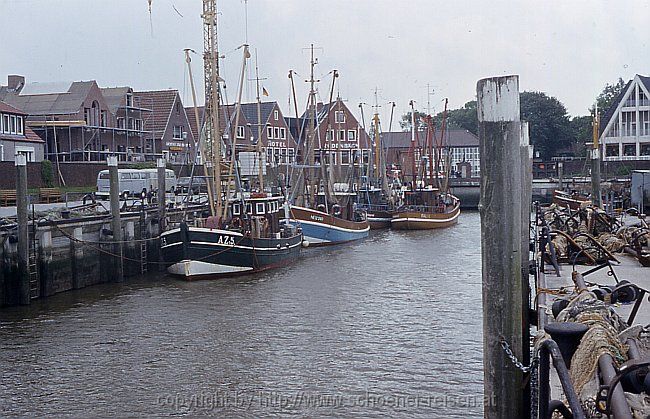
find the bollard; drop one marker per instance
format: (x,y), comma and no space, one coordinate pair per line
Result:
(501,213)
(23,232)
(116,223)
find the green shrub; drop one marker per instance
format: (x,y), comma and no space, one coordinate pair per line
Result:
(47,173)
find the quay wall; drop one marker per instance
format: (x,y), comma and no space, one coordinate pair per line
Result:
(76,253)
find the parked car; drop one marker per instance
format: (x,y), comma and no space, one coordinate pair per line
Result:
(170,179)
(134,181)
(199,184)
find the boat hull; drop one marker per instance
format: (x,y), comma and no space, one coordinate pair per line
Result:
(379,219)
(563,199)
(414,220)
(202,253)
(322,229)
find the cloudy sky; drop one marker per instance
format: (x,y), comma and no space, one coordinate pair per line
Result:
(568,49)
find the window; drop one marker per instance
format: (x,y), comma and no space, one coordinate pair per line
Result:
(345,157)
(138,124)
(645,149)
(342,135)
(352,135)
(629,149)
(28,152)
(19,125)
(103,119)
(276,132)
(131,123)
(269,133)
(644,123)
(178,108)
(611,150)
(249,208)
(283,133)
(94,113)
(330,135)
(240,131)
(6,123)
(333,157)
(276,155)
(276,115)
(339,117)
(120,123)
(366,156)
(87,115)
(283,156)
(236,209)
(12,126)
(129,99)
(292,155)
(269,154)
(178,132)
(259,208)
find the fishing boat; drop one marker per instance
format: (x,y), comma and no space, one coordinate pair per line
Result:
(252,240)
(572,200)
(245,231)
(377,195)
(426,206)
(323,207)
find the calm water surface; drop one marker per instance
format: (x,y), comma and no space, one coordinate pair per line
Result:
(389,327)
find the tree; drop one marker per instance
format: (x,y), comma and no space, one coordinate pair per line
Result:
(420,122)
(581,133)
(610,92)
(548,122)
(462,118)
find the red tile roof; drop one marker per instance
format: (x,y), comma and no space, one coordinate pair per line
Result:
(161,103)
(7,108)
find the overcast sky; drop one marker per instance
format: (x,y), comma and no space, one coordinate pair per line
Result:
(568,49)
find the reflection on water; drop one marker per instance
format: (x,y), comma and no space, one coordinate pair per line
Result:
(387,327)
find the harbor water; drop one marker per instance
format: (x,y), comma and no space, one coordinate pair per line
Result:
(386,327)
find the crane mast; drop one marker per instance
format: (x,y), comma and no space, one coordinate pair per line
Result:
(212,97)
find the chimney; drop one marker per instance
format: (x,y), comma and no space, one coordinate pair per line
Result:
(15,82)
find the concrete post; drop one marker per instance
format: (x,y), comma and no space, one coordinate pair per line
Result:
(560,175)
(500,208)
(23,232)
(116,223)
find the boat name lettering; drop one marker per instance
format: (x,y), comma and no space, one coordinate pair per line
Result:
(228,240)
(316,217)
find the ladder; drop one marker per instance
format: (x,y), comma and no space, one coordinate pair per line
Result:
(32,268)
(143,244)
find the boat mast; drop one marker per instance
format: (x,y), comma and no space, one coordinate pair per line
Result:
(260,177)
(233,143)
(212,97)
(198,144)
(311,130)
(412,103)
(443,131)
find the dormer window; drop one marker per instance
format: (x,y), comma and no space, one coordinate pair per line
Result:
(339,117)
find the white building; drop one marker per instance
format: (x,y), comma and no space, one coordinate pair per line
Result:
(625,126)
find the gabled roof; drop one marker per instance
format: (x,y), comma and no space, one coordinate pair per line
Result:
(114,96)
(68,102)
(189,110)
(609,113)
(7,108)
(453,138)
(161,102)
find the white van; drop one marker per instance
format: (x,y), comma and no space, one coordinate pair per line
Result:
(152,176)
(131,181)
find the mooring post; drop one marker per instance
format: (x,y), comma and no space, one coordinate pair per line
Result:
(23,232)
(162,201)
(116,223)
(501,247)
(560,175)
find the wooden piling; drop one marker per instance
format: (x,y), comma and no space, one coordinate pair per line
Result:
(23,228)
(501,214)
(161,165)
(116,223)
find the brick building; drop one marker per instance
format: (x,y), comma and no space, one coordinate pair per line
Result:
(17,138)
